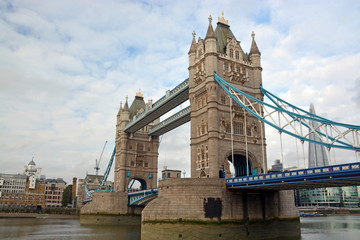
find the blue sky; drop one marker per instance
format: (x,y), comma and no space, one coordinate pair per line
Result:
(66,65)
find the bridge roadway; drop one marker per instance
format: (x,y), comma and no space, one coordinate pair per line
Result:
(329,176)
(172,99)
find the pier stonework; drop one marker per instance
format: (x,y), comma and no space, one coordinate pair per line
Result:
(187,204)
(107,203)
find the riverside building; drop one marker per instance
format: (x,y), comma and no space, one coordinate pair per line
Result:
(54,189)
(30,189)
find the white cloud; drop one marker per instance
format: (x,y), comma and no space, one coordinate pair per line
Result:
(65,66)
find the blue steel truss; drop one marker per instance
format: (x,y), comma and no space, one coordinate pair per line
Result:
(294,121)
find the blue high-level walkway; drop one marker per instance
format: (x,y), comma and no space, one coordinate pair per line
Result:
(172,122)
(329,176)
(172,99)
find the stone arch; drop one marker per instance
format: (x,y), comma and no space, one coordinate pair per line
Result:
(203,174)
(143,183)
(240,163)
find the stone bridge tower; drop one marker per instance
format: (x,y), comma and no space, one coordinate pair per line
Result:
(211,148)
(136,154)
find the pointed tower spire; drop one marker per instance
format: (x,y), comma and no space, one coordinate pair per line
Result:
(120,109)
(126,106)
(254,48)
(193,43)
(210,30)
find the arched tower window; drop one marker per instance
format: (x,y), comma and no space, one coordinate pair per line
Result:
(140,147)
(237,55)
(223,98)
(231,53)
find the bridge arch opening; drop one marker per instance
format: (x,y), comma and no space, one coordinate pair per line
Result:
(137,184)
(239,165)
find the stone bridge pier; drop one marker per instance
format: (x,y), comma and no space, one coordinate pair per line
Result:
(185,206)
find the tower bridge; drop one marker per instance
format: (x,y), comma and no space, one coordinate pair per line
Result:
(227,114)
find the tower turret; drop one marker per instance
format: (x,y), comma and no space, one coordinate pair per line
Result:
(119,114)
(192,50)
(125,113)
(254,52)
(210,39)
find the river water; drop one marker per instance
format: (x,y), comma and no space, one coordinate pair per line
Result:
(329,228)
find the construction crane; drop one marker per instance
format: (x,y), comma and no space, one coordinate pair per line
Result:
(97,163)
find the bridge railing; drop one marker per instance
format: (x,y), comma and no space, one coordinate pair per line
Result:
(169,94)
(153,190)
(302,173)
(139,195)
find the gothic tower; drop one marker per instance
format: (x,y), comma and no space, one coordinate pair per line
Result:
(211,145)
(136,156)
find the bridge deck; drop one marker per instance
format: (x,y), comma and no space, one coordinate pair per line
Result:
(330,176)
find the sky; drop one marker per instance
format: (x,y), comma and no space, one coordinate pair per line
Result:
(65,66)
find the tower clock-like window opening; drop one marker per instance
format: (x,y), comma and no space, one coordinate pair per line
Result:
(140,147)
(248,131)
(231,53)
(238,128)
(228,128)
(223,98)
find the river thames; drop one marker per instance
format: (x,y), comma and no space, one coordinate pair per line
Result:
(329,228)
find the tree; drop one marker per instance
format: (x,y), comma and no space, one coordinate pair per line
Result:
(66,196)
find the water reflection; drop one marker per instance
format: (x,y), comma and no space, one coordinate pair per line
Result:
(59,229)
(329,228)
